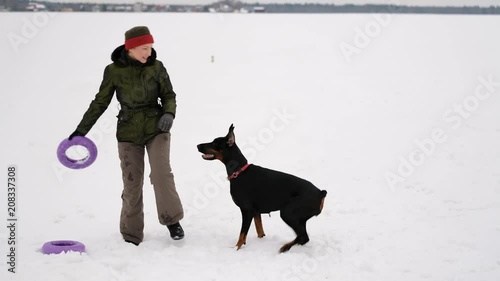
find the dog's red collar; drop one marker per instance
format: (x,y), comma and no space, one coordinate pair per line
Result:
(237,173)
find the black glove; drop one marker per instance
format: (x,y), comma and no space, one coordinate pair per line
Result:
(165,123)
(76,133)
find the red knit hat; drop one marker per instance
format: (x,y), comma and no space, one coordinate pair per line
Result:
(137,36)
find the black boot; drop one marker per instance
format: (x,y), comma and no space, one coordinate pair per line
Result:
(176,231)
(132,242)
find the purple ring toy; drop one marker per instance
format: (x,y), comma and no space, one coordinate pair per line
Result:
(77,163)
(57,247)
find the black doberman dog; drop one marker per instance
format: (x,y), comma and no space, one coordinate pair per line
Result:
(257,190)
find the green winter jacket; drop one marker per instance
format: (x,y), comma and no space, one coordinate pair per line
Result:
(144,91)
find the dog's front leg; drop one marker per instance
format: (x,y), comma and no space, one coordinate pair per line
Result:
(257,219)
(246,217)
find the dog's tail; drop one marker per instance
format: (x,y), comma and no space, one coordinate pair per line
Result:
(322,202)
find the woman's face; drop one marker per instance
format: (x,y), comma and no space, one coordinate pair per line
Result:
(141,53)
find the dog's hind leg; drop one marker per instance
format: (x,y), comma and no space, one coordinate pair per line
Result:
(301,239)
(257,219)
(289,216)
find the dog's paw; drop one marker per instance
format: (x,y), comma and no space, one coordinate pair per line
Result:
(287,247)
(241,241)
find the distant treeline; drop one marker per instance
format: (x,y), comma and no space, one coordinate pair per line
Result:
(320,8)
(229,6)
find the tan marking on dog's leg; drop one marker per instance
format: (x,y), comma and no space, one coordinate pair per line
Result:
(241,241)
(287,246)
(321,204)
(258,225)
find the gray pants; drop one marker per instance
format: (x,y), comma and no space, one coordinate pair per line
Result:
(168,203)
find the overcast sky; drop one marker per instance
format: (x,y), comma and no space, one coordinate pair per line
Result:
(337,2)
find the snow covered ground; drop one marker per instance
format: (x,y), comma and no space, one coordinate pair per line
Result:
(395,115)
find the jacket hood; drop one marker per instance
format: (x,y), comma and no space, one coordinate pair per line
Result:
(120,57)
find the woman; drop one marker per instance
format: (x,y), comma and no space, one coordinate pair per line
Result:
(148,107)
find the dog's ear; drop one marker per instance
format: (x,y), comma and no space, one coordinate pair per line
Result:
(230,136)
